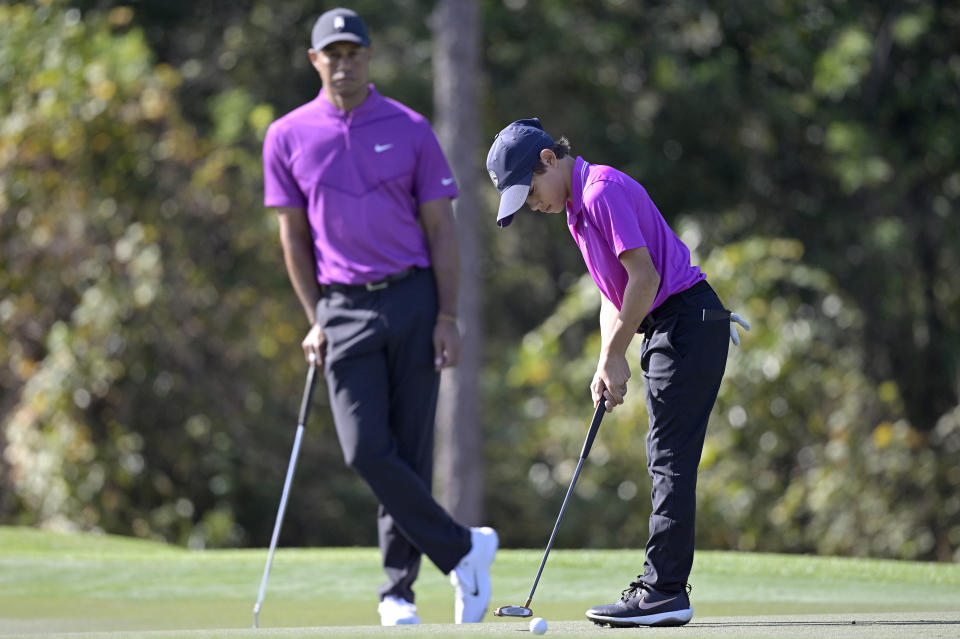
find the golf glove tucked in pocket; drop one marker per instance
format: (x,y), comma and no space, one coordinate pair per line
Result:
(734,320)
(712,314)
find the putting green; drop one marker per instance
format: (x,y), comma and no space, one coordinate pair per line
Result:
(53,583)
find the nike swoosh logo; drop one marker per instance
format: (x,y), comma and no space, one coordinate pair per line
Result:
(650,606)
(447,181)
(380,148)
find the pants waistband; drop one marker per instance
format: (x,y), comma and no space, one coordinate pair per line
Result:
(381,284)
(673,303)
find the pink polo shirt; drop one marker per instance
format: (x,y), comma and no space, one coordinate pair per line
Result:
(361,177)
(611,213)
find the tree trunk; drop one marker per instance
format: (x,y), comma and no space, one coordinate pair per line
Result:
(456,64)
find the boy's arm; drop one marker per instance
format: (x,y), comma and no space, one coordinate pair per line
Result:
(608,318)
(643,283)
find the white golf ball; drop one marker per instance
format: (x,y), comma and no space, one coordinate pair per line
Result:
(538,625)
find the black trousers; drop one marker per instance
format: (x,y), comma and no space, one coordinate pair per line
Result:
(383,394)
(683,360)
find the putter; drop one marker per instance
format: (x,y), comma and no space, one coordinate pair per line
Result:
(294,454)
(524,610)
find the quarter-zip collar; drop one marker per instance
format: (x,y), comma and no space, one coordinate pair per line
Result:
(365,107)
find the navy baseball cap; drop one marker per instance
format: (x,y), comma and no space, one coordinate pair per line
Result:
(339,25)
(510,162)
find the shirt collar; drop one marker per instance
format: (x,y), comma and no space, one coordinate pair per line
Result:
(578,180)
(368,105)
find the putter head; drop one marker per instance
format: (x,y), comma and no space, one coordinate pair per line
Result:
(513,611)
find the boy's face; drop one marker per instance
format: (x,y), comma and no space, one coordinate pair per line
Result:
(548,190)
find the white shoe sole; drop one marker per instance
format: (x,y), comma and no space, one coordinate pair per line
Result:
(406,621)
(672,618)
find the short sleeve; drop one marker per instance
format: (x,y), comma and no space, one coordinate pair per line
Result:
(613,211)
(280,188)
(433,177)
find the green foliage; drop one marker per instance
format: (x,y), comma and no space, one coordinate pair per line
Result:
(135,328)
(843,66)
(804,453)
(748,121)
(807,152)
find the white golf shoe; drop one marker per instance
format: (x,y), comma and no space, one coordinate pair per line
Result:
(471,577)
(395,611)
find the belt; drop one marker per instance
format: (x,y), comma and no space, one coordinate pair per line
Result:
(372,286)
(673,304)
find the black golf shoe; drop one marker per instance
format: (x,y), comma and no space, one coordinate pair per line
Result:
(643,605)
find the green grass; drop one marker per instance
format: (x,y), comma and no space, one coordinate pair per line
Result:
(54,583)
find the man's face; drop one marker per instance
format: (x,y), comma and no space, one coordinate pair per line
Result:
(344,67)
(548,191)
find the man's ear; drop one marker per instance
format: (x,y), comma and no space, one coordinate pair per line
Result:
(547,156)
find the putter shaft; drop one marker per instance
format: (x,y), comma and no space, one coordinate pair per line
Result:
(291,468)
(587,445)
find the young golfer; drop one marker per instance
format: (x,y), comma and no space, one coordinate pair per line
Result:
(648,286)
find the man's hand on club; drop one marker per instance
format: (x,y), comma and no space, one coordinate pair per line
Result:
(315,344)
(734,320)
(446,344)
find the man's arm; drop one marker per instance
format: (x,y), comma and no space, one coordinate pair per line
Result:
(441,234)
(302,270)
(298,257)
(642,285)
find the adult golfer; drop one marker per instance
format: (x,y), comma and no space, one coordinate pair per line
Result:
(363,193)
(648,285)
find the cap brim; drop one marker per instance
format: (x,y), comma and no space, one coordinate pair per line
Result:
(512,198)
(339,37)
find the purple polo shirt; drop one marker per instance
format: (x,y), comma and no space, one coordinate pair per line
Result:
(361,177)
(611,213)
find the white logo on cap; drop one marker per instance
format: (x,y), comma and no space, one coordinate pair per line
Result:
(493,176)
(339,23)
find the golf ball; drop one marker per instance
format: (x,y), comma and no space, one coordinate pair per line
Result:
(538,625)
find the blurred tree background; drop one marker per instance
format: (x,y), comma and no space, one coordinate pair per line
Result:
(806,151)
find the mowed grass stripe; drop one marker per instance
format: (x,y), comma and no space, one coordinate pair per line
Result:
(888,626)
(54,583)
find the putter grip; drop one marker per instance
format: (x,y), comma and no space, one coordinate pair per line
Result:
(594,427)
